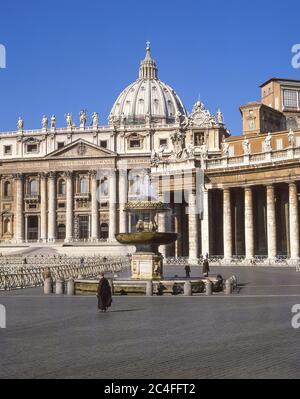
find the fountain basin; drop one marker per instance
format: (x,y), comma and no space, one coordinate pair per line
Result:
(147,238)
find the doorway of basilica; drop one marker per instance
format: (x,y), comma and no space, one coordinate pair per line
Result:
(83,227)
(33,228)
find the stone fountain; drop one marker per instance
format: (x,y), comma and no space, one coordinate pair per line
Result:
(147,261)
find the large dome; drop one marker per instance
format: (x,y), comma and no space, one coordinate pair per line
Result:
(147,98)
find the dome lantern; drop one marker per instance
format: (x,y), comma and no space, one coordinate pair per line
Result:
(148,68)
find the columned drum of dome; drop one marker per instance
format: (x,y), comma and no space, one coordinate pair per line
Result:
(148,99)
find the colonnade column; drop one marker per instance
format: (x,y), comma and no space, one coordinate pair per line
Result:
(249,230)
(162,221)
(123,192)
(43,182)
(271,222)
(294,220)
(19,223)
(205,223)
(227,228)
(51,206)
(112,205)
(69,207)
(193,227)
(94,206)
(178,229)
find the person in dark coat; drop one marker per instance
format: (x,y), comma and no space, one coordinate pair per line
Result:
(104,294)
(205,269)
(187,271)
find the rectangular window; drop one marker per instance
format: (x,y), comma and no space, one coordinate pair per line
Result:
(163,143)
(290,98)
(135,143)
(198,139)
(7,149)
(32,148)
(231,151)
(61,205)
(297,141)
(279,144)
(32,206)
(103,143)
(60,145)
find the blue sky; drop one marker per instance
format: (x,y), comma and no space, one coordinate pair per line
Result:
(64,56)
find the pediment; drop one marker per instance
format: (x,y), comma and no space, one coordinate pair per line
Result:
(81,149)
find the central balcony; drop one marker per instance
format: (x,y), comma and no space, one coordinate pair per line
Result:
(32,197)
(82,196)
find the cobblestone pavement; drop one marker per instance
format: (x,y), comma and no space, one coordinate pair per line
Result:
(247,335)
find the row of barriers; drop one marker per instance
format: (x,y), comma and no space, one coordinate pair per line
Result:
(32,276)
(234,261)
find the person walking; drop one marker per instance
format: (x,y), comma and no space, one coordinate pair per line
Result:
(187,271)
(205,269)
(104,294)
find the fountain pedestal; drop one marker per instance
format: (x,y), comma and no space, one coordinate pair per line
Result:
(147,262)
(146,266)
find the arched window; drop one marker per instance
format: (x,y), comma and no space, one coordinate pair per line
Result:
(33,187)
(127,107)
(140,110)
(156,105)
(135,185)
(83,185)
(104,186)
(7,189)
(171,108)
(6,226)
(62,187)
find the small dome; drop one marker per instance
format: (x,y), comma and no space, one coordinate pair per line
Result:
(147,97)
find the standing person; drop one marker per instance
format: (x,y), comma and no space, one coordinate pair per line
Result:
(104,294)
(205,269)
(187,271)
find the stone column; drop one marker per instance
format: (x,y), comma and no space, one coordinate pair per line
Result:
(162,227)
(94,206)
(227,229)
(271,222)
(43,182)
(26,228)
(178,229)
(123,191)
(19,222)
(239,223)
(249,228)
(51,207)
(112,205)
(69,207)
(294,220)
(193,228)
(205,224)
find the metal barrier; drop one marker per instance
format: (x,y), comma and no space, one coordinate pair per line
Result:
(234,261)
(25,276)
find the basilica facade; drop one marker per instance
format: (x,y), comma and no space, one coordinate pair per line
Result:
(230,196)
